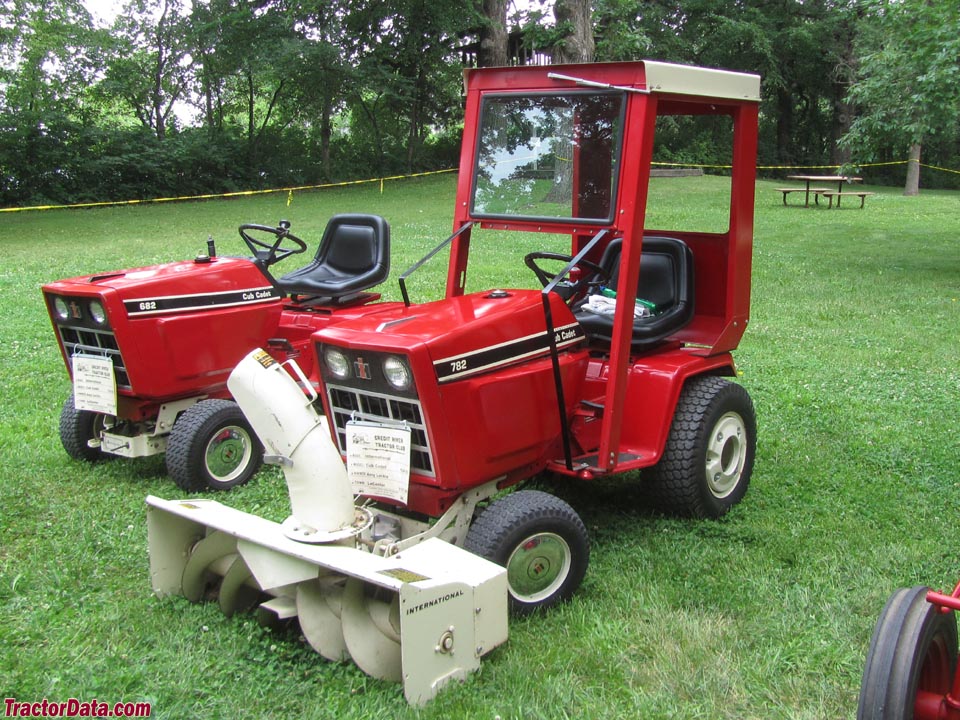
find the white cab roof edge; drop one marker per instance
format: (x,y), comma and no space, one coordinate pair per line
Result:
(704,82)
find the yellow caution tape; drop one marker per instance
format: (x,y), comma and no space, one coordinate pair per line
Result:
(240,193)
(382,180)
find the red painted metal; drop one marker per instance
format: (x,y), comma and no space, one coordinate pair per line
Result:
(945,602)
(485,379)
(190,351)
(932,705)
(501,422)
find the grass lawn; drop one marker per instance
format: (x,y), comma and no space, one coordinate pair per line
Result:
(852,359)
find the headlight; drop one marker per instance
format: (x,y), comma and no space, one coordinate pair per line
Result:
(61,309)
(97,312)
(396,372)
(336,363)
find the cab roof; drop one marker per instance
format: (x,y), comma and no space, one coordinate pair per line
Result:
(641,76)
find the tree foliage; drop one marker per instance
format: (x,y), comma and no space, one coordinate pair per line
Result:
(200,96)
(908,80)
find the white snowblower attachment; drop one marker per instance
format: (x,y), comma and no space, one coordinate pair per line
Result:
(421,616)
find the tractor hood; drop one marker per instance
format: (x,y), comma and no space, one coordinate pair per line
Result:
(472,378)
(172,330)
(176,286)
(462,336)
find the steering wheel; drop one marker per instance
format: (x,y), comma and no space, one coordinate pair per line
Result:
(270,252)
(567,289)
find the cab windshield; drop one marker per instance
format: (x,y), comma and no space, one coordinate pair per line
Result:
(548,157)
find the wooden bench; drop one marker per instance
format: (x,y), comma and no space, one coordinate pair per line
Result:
(831,194)
(814,191)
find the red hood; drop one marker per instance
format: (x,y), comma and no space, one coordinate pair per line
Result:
(187,276)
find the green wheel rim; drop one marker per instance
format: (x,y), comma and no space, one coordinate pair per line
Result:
(538,566)
(228,453)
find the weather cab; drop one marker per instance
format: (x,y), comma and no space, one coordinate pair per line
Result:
(432,415)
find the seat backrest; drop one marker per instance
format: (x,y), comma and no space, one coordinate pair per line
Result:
(663,270)
(348,246)
(354,255)
(666,280)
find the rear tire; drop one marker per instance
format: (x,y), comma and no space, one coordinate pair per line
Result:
(708,458)
(913,648)
(540,540)
(212,446)
(78,428)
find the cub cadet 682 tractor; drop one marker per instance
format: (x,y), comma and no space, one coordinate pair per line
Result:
(620,363)
(149,349)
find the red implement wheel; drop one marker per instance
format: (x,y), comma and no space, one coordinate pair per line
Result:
(911,660)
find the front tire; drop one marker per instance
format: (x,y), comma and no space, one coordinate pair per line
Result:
(913,652)
(708,459)
(78,428)
(212,446)
(540,540)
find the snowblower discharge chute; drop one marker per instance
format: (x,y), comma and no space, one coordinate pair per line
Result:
(422,616)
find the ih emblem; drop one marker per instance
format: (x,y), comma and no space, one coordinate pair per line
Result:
(362,368)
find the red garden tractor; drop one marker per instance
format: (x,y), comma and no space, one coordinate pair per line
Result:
(911,668)
(427,417)
(149,349)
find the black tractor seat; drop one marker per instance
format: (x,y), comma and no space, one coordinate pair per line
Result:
(666,280)
(354,255)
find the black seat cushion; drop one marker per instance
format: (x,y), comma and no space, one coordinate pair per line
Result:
(354,255)
(666,279)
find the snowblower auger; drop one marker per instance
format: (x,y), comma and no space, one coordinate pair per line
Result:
(422,615)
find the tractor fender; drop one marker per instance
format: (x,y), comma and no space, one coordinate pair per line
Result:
(654,383)
(653,390)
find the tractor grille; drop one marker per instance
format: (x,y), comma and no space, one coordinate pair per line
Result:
(86,341)
(348,404)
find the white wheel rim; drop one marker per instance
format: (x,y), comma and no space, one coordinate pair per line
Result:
(726,455)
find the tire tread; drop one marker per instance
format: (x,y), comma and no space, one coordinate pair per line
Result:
(526,509)
(676,483)
(185,456)
(76,428)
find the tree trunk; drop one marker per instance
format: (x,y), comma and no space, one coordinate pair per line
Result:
(326,130)
(842,77)
(843,113)
(912,186)
(577,46)
(493,35)
(784,126)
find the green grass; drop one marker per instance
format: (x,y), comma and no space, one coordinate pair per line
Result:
(852,361)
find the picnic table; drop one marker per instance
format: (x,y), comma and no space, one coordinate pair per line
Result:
(839,179)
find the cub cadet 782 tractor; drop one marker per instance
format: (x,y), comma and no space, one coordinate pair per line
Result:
(620,363)
(149,349)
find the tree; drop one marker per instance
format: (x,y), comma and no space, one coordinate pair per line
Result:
(494,49)
(407,78)
(907,89)
(575,25)
(149,69)
(800,49)
(48,61)
(48,55)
